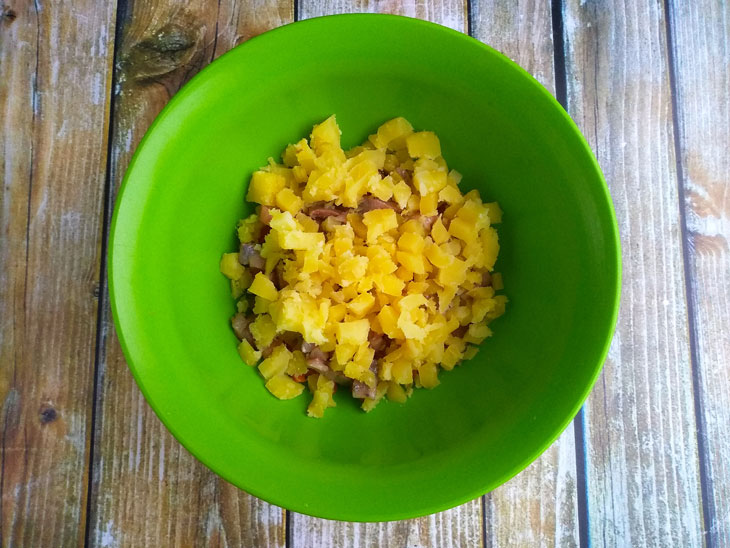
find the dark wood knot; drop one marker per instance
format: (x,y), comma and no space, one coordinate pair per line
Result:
(162,52)
(48,414)
(8,14)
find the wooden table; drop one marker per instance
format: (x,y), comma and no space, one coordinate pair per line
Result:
(86,462)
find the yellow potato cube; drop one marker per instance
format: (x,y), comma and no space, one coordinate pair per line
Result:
(454,177)
(453,274)
(248,228)
(264,187)
(307,223)
(428,204)
(326,134)
(288,201)
(283,387)
(396,393)
(402,372)
(353,332)
(490,244)
(428,375)
(477,333)
(439,232)
(248,354)
(438,257)
(404,274)
(470,352)
(369,403)
(276,363)
(413,225)
(297,365)
(423,144)
(230,267)
(379,221)
(301,240)
(390,284)
(474,214)
(263,287)
(391,130)
(461,229)
(401,194)
(410,261)
(411,242)
(337,313)
(361,304)
(263,330)
(429,182)
(451,195)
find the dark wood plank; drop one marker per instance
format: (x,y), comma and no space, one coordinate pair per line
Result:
(539,507)
(642,454)
(55,67)
(702,68)
(147,489)
(460,526)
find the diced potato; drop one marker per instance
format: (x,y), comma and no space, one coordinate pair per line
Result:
(264,187)
(263,287)
(428,375)
(263,330)
(361,304)
(354,332)
(283,387)
(396,393)
(276,363)
(230,267)
(379,221)
(423,144)
(411,242)
(429,204)
(391,130)
(248,354)
(288,201)
(414,276)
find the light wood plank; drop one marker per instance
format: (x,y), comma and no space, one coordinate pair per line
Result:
(642,455)
(460,526)
(539,507)
(147,489)
(702,63)
(55,67)
(455,528)
(450,13)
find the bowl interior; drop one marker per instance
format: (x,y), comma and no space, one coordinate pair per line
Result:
(490,417)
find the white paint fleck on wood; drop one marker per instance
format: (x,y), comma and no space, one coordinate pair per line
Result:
(642,456)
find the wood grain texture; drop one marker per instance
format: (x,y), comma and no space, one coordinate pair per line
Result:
(147,489)
(642,455)
(460,526)
(450,13)
(702,68)
(539,507)
(55,67)
(455,528)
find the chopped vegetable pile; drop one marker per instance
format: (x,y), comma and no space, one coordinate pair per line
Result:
(367,268)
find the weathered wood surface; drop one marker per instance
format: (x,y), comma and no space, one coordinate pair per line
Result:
(641,452)
(648,480)
(148,490)
(539,507)
(55,68)
(701,54)
(450,13)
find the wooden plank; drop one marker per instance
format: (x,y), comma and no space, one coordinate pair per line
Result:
(148,490)
(455,528)
(55,67)
(539,507)
(641,444)
(700,33)
(450,13)
(460,526)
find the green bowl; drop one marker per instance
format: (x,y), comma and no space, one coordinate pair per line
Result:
(560,258)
